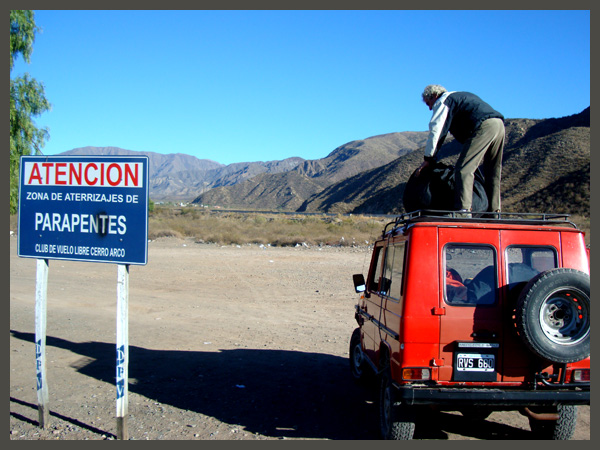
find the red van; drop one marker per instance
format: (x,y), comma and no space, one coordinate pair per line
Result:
(476,315)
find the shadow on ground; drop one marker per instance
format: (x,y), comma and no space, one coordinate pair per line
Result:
(271,392)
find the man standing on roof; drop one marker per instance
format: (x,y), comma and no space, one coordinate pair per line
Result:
(476,125)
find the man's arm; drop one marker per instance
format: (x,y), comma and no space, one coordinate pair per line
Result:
(436,128)
(437,132)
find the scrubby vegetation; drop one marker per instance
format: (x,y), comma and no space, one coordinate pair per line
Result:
(263,228)
(227,228)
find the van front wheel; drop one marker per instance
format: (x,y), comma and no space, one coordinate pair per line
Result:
(358,365)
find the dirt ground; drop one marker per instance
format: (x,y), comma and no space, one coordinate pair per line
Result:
(225,343)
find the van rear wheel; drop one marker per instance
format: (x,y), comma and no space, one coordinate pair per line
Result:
(561,429)
(396,421)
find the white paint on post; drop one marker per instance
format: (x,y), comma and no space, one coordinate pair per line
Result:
(122,349)
(41,289)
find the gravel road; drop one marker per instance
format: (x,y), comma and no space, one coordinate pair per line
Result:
(225,343)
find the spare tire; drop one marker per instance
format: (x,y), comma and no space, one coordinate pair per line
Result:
(553,315)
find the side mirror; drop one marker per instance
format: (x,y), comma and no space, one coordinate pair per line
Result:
(359,283)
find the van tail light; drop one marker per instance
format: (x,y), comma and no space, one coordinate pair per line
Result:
(416,373)
(580,376)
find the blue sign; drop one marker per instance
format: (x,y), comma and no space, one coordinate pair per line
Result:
(84,208)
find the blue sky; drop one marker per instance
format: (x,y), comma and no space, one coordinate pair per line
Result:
(238,86)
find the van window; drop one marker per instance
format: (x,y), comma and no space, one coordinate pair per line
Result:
(525,262)
(470,272)
(392,275)
(375,273)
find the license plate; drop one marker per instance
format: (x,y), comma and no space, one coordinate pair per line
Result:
(474,362)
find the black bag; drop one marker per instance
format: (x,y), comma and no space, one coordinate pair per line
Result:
(434,189)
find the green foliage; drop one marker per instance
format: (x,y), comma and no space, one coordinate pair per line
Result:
(22,34)
(27,100)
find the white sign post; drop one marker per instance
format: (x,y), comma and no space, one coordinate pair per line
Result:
(41,289)
(122,349)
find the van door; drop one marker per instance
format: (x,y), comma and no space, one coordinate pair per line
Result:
(382,308)
(470,305)
(525,254)
(392,298)
(371,302)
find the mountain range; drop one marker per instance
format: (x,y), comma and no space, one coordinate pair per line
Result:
(181,178)
(546,168)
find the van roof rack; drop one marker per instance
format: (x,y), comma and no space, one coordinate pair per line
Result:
(430,215)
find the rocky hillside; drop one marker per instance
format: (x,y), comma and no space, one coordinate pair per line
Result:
(343,162)
(358,156)
(285,191)
(546,167)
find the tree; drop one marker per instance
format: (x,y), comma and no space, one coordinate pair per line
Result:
(27,100)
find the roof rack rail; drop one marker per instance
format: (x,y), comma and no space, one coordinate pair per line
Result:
(430,215)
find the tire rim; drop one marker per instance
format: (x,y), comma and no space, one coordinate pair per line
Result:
(564,316)
(357,358)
